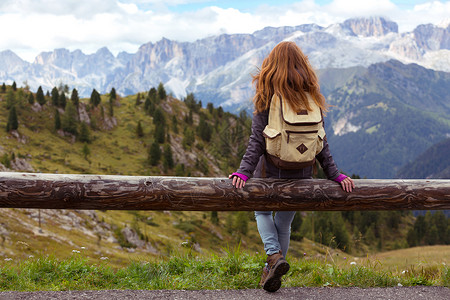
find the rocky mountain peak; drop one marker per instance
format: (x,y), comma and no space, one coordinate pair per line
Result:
(373,26)
(431,37)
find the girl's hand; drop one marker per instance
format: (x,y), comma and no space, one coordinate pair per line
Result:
(348,185)
(237,181)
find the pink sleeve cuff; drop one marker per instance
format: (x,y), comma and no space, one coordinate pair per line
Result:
(241,176)
(340,178)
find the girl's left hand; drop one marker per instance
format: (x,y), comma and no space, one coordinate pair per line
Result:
(348,185)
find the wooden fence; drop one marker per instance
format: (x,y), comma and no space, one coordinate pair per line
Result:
(107,192)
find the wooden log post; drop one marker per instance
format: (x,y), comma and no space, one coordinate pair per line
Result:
(107,192)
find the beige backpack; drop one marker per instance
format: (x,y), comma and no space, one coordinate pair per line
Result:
(293,139)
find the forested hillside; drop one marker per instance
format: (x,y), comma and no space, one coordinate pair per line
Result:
(152,133)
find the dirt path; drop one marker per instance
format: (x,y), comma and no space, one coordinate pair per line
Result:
(409,293)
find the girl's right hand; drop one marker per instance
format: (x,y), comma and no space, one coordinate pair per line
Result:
(237,181)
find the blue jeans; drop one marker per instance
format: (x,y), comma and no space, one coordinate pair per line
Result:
(275,231)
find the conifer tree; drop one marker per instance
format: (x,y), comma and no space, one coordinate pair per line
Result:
(40,98)
(154,154)
(55,96)
(69,120)
(210,107)
(158,117)
(168,158)
(3,87)
(160,133)
(95,98)
(147,104)
(74,98)
(139,129)
(14,86)
(57,120)
(175,124)
(204,130)
(161,91)
(112,94)
(30,98)
(84,135)
(86,151)
(153,94)
(12,123)
(138,99)
(10,99)
(62,100)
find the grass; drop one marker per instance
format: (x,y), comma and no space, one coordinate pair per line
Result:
(232,270)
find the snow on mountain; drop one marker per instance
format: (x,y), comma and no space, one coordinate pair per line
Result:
(218,69)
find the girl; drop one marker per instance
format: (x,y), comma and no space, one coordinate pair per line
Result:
(287,75)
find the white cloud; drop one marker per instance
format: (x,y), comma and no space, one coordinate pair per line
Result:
(32,26)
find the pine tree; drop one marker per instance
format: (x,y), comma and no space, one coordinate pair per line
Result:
(210,107)
(10,99)
(40,98)
(74,98)
(168,158)
(14,86)
(69,120)
(62,100)
(57,120)
(161,91)
(86,151)
(153,95)
(112,94)
(147,104)
(55,96)
(138,99)
(3,87)
(84,135)
(204,130)
(12,123)
(139,129)
(30,98)
(175,124)
(158,117)
(160,133)
(154,154)
(95,98)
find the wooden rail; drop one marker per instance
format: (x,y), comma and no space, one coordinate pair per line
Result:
(106,192)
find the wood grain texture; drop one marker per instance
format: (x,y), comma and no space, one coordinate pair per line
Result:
(107,192)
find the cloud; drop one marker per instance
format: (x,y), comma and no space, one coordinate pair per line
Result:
(32,26)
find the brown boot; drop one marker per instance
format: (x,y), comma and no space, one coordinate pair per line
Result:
(276,266)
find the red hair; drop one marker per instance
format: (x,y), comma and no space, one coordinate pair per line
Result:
(286,72)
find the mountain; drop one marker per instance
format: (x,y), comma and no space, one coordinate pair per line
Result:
(385,116)
(433,163)
(217,69)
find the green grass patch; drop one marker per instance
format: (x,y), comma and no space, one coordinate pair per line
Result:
(233,270)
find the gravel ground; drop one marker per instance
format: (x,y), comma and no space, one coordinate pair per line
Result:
(409,293)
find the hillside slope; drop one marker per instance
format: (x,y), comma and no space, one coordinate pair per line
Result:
(385,117)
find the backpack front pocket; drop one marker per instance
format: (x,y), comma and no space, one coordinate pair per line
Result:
(300,145)
(273,140)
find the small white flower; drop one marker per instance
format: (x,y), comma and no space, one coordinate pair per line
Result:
(184,243)
(353,263)
(8,259)
(83,248)
(75,251)
(403,272)
(103,258)
(30,256)
(399,284)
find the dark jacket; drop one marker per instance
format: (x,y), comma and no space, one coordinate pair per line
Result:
(255,164)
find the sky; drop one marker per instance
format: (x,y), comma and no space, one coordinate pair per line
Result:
(33,26)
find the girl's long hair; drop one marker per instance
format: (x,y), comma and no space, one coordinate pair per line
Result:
(286,72)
